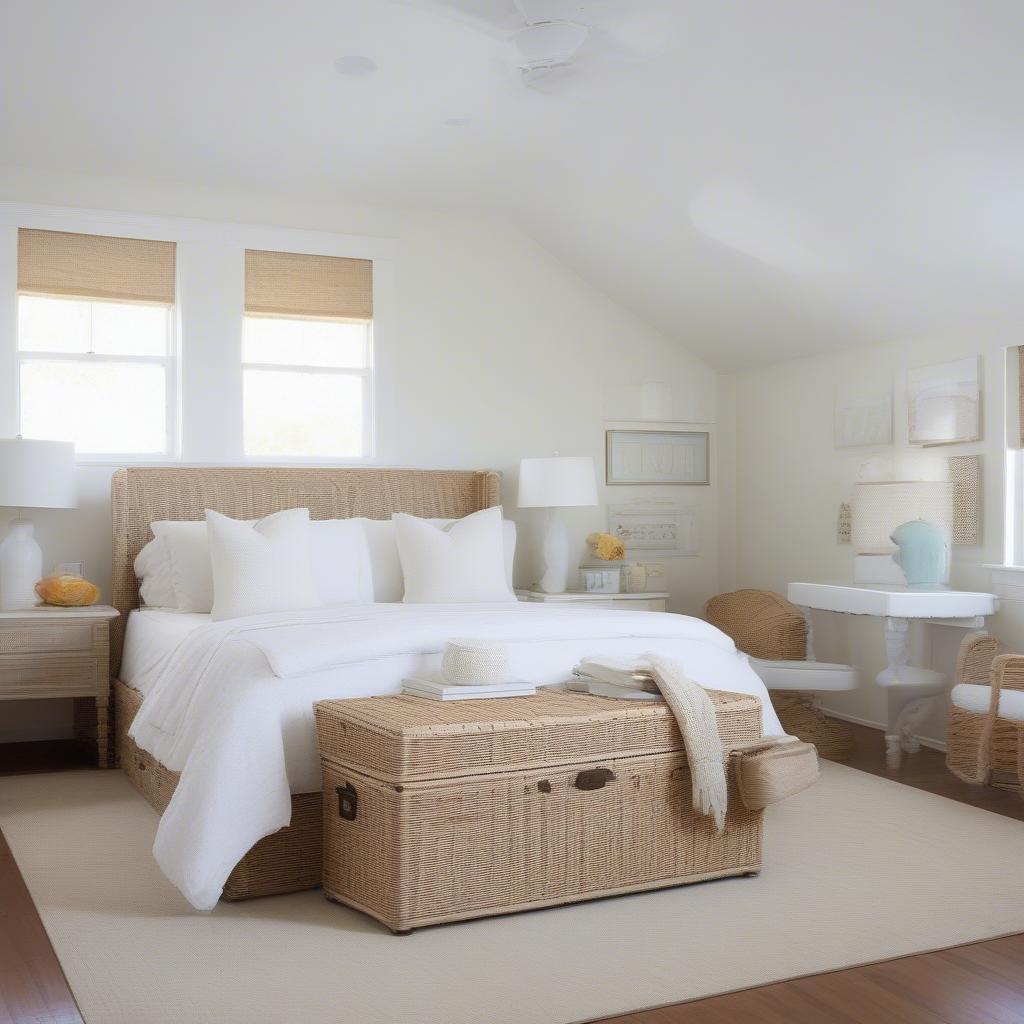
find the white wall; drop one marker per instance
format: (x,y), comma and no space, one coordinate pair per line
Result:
(494,350)
(791,480)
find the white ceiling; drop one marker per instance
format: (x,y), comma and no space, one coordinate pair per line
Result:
(785,177)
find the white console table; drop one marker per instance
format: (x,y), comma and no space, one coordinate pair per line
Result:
(910,689)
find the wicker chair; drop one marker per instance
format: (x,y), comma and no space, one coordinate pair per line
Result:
(771,630)
(985,734)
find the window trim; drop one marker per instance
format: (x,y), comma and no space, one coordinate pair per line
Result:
(172,383)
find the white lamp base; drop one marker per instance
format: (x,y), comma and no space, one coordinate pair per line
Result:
(555,557)
(21,567)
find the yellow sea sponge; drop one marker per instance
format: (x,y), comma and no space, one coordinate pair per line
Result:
(67,591)
(607,547)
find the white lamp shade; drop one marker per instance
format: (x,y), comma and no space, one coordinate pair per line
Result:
(37,474)
(557,482)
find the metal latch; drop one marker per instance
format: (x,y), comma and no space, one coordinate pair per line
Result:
(348,801)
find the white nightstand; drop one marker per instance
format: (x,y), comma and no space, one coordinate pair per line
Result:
(653,601)
(60,652)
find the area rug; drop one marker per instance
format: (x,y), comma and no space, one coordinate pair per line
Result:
(857,869)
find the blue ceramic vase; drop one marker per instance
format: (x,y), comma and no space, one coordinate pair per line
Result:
(923,553)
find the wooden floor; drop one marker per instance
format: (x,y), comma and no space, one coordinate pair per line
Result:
(981,983)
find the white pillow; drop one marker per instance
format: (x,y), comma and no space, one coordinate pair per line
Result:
(188,551)
(388,585)
(261,568)
(174,568)
(340,557)
(153,569)
(461,563)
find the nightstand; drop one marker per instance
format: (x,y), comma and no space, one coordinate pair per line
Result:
(654,601)
(61,652)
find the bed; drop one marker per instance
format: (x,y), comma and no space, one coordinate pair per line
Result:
(290,859)
(222,710)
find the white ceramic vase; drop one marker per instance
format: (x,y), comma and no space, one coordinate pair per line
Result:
(21,566)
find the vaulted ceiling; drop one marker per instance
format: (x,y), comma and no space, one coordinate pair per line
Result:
(771,178)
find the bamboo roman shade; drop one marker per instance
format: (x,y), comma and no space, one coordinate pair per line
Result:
(95,266)
(292,284)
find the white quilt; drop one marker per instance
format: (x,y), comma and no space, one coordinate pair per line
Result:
(231,708)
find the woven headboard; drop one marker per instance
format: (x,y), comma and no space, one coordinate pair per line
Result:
(144,495)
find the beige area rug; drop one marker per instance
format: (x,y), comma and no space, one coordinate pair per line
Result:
(856,869)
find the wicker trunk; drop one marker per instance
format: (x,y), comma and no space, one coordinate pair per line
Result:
(441,811)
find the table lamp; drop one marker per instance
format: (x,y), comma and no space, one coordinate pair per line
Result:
(33,474)
(552,483)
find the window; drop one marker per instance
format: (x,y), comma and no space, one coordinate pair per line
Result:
(95,342)
(306,387)
(307,356)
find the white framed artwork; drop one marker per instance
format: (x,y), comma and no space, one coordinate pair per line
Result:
(657,525)
(657,457)
(944,402)
(862,417)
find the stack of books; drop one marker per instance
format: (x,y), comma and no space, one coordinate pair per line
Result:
(439,690)
(605,679)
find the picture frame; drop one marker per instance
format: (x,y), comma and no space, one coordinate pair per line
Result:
(944,402)
(657,457)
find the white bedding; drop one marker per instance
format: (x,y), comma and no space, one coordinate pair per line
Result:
(150,637)
(231,707)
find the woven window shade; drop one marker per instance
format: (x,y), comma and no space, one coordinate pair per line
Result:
(291,284)
(95,266)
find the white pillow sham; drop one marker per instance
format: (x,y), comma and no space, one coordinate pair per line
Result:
(263,567)
(460,563)
(388,582)
(175,572)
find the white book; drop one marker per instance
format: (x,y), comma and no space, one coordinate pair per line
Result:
(444,691)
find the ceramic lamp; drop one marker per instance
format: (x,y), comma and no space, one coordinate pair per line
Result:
(33,474)
(552,483)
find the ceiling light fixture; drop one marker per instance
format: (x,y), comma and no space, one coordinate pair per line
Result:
(355,66)
(458,122)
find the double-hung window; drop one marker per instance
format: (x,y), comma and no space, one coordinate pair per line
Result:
(96,361)
(307,356)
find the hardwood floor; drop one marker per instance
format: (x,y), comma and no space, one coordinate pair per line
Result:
(982,983)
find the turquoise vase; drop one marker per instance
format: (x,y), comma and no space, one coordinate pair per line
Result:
(923,553)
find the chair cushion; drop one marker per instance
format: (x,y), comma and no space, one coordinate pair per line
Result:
(810,676)
(975,697)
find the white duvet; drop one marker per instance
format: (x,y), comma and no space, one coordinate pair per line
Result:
(231,708)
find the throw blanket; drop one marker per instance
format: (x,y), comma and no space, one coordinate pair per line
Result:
(697,722)
(694,712)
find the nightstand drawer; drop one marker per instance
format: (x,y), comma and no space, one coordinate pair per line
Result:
(44,637)
(49,675)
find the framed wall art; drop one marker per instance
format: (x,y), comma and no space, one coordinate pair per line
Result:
(657,457)
(944,402)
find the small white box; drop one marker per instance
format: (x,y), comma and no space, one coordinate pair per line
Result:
(601,579)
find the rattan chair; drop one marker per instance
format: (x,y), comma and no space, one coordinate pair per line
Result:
(985,734)
(774,633)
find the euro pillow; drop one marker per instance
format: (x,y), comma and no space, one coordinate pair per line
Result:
(261,567)
(386,566)
(460,563)
(174,569)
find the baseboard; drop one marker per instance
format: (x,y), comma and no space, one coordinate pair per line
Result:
(926,741)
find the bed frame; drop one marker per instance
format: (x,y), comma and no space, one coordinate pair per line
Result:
(291,858)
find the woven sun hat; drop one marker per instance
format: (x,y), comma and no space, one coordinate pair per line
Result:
(474,663)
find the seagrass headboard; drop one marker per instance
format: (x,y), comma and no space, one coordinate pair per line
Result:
(140,496)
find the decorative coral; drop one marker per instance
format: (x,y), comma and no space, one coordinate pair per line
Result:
(67,591)
(607,547)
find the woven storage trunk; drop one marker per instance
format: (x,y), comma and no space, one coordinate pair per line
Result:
(441,811)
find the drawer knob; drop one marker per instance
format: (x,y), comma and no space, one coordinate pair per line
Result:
(594,778)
